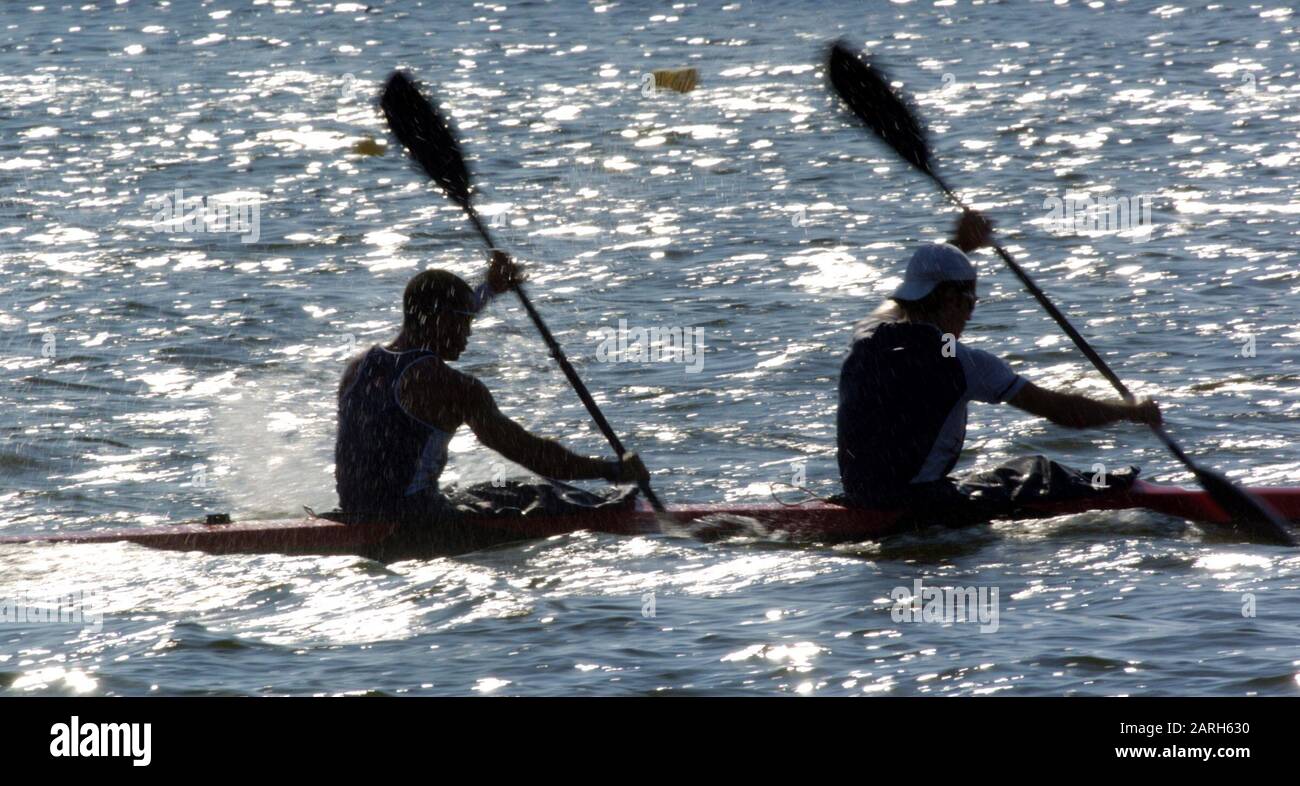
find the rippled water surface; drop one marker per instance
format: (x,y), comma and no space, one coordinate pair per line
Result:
(152,376)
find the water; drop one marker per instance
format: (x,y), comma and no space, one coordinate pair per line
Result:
(154,376)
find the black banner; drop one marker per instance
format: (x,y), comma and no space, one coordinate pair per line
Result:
(146,736)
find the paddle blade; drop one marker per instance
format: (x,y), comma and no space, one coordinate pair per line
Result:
(1248,512)
(865,87)
(426,134)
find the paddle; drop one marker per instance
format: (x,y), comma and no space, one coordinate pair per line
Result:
(866,90)
(429,138)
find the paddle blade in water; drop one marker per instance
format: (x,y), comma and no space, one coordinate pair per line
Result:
(425,133)
(866,90)
(1246,511)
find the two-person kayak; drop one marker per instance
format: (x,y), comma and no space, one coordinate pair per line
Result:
(814,522)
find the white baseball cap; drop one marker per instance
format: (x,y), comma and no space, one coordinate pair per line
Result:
(931,265)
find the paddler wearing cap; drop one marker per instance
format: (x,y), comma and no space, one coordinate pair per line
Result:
(907,381)
(400,404)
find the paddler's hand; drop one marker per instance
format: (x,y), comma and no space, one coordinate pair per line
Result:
(973,231)
(1147,412)
(631,470)
(504,273)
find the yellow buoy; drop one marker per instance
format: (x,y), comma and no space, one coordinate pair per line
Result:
(682,80)
(368,147)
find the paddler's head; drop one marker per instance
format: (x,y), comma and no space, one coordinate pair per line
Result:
(437,311)
(939,288)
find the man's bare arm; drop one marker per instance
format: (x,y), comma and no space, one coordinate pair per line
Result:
(546,457)
(1075,411)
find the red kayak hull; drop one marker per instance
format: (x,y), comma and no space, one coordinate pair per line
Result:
(810,522)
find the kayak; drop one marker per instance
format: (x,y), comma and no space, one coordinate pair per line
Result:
(816,522)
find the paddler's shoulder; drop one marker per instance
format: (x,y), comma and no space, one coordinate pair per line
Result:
(350,370)
(433,373)
(442,395)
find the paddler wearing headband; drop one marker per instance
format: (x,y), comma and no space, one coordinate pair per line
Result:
(906,383)
(400,404)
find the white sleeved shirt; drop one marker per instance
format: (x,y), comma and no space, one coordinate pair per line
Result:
(988,379)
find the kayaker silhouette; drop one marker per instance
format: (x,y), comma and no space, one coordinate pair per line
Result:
(400,404)
(904,391)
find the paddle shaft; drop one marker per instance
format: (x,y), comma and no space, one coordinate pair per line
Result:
(565,366)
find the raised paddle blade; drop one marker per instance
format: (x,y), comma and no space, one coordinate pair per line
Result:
(865,87)
(426,134)
(1248,512)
